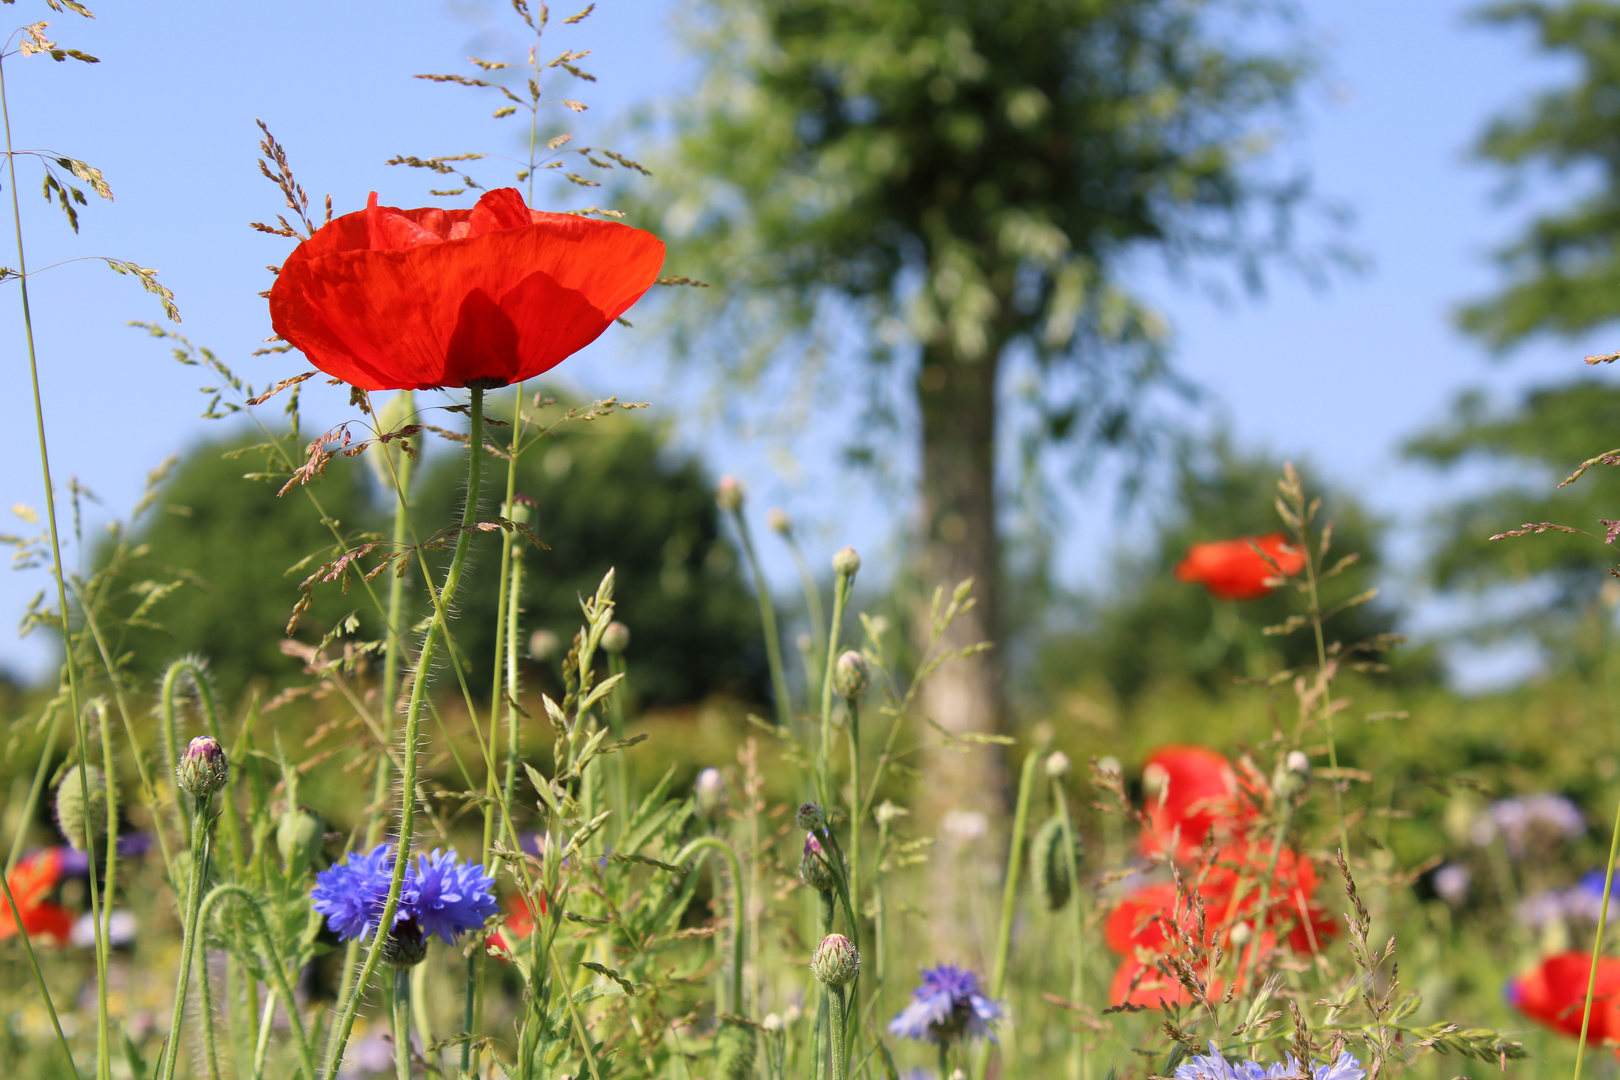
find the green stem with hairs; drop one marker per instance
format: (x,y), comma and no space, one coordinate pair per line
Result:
(200,834)
(714,843)
(394,649)
(402,1023)
(277,966)
(812,600)
(837,1016)
(413,714)
(191,669)
(1009,892)
(1597,944)
(841,589)
(767,616)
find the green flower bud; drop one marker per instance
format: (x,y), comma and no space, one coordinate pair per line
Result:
(847,563)
(1057,766)
(1048,868)
(729,494)
(83,820)
(811,817)
(299,836)
(543,645)
(405,946)
(203,769)
(836,961)
(734,1046)
(779,522)
(616,638)
(813,868)
(709,793)
(850,675)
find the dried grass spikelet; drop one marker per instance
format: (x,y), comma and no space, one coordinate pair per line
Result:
(1048,868)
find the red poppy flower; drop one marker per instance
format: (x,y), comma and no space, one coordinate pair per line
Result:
(1191,792)
(389,299)
(1233,570)
(519,922)
(30,881)
(1555,994)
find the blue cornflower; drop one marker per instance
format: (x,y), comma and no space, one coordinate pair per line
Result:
(1213,1066)
(947,1006)
(439,896)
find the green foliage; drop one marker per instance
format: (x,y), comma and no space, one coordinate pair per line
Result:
(1562,272)
(609,495)
(239,552)
(973,170)
(1152,630)
(1538,442)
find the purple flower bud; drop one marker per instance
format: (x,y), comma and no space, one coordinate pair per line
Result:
(203,769)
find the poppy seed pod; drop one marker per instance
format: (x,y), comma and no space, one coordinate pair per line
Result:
(836,961)
(616,638)
(1048,868)
(709,793)
(811,817)
(729,494)
(203,769)
(850,675)
(82,818)
(299,835)
(847,563)
(734,1051)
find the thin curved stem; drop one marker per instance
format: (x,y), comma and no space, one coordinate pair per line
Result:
(767,616)
(278,967)
(841,591)
(1597,944)
(714,843)
(200,833)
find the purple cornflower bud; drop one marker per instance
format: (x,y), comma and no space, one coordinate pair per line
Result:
(811,817)
(203,769)
(813,868)
(836,961)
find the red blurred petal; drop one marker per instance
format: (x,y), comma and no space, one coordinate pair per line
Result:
(1555,995)
(1202,797)
(1233,570)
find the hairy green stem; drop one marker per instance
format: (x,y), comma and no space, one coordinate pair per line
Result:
(413,714)
(837,1015)
(841,591)
(402,1023)
(276,964)
(200,834)
(767,616)
(812,601)
(714,843)
(393,651)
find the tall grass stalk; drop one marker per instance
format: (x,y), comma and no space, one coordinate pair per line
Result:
(1009,891)
(1077,976)
(1597,944)
(767,617)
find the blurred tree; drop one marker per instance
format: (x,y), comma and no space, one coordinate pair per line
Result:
(609,495)
(1536,444)
(1151,629)
(241,553)
(965,181)
(1562,271)
(1561,276)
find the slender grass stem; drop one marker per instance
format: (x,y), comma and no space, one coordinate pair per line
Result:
(424,666)
(393,651)
(1077,986)
(39,977)
(1597,945)
(842,582)
(1009,892)
(812,600)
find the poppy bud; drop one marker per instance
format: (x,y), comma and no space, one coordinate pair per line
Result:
(203,769)
(847,563)
(543,645)
(850,676)
(729,494)
(1048,867)
(836,961)
(813,868)
(82,819)
(709,793)
(1057,766)
(778,520)
(298,837)
(616,638)
(734,1051)
(811,817)
(1242,933)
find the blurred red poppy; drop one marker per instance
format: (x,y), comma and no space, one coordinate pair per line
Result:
(1190,791)
(30,881)
(389,299)
(1233,570)
(1555,994)
(519,922)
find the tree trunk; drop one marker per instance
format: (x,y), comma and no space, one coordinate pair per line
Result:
(959,541)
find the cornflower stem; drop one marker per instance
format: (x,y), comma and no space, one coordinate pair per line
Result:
(944,1060)
(812,600)
(1077,988)
(767,616)
(103,912)
(825,910)
(880,914)
(413,715)
(714,843)
(854,709)
(201,832)
(1597,945)
(402,1023)
(837,1014)
(841,591)
(102,1065)
(1009,892)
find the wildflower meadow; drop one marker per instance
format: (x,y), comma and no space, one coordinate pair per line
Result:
(480,734)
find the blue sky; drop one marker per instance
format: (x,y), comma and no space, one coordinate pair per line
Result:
(1340,375)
